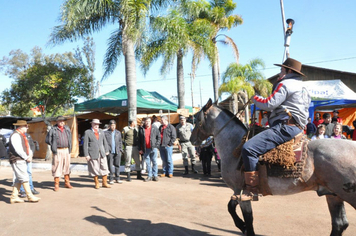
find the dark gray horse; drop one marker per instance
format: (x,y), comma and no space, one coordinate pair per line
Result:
(330,168)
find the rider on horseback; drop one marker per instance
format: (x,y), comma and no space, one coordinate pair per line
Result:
(288,104)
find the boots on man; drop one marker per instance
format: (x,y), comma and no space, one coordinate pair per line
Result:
(30,196)
(96,181)
(15,194)
(56,184)
(251,190)
(193,169)
(66,182)
(105,182)
(186,170)
(139,175)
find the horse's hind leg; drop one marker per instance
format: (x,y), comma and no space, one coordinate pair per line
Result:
(231,206)
(338,215)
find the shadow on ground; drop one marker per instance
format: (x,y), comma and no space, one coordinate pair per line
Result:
(133,227)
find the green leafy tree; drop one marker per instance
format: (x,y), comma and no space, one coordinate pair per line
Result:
(48,82)
(220,15)
(242,81)
(3,110)
(83,17)
(172,36)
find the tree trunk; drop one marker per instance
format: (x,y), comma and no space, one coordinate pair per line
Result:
(247,113)
(234,103)
(130,72)
(216,76)
(180,80)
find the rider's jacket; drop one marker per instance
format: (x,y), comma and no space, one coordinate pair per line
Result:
(289,96)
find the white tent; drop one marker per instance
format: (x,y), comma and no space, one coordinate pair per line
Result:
(329,90)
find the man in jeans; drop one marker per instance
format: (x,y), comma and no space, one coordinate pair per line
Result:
(149,142)
(168,137)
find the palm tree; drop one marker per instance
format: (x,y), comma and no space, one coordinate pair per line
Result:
(172,37)
(219,14)
(83,17)
(242,81)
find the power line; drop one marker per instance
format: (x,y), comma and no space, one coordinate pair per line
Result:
(268,68)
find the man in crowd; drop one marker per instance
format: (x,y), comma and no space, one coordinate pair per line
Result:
(33,146)
(60,140)
(311,128)
(19,154)
(95,150)
(168,137)
(130,139)
(184,131)
(149,141)
(336,118)
(113,138)
(155,121)
(329,127)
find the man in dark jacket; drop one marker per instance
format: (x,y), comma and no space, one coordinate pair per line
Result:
(149,141)
(168,137)
(60,140)
(113,138)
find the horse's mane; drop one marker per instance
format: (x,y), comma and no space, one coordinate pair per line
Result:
(235,119)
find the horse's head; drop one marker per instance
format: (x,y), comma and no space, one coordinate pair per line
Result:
(203,126)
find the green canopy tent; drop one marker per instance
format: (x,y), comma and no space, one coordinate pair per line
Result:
(116,102)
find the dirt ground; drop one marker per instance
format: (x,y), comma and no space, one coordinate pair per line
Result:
(183,205)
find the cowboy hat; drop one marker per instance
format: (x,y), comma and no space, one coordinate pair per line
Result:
(292,64)
(61,118)
(21,123)
(95,121)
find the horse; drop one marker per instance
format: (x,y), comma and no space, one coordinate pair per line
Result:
(330,167)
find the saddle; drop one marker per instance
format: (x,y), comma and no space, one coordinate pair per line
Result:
(286,154)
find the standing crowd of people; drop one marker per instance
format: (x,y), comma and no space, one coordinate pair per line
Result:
(103,151)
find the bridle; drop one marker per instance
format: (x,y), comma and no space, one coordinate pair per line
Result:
(204,114)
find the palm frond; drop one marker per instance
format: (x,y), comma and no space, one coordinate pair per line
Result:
(113,53)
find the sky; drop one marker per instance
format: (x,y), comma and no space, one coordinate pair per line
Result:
(324,35)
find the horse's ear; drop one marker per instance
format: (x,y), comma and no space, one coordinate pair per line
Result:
(208,105)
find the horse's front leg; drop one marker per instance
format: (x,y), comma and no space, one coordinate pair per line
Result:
(246,209)
(338,215)
(231,206)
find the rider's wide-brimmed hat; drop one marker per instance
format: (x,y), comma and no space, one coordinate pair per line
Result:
(21,123)
(292,64)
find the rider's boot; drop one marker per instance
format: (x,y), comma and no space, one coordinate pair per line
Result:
(251,190)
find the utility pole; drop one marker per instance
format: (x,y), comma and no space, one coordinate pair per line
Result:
(201,102)
(287,32)
(192,77)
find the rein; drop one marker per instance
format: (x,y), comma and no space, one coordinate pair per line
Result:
(246,104)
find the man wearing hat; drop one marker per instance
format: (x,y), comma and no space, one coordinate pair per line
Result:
(19,154)
(184,131)
(95,150)
(60,140)
(113,138)
(130,139)
(288,104)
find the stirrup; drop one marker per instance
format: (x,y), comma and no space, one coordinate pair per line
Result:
(254,197)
